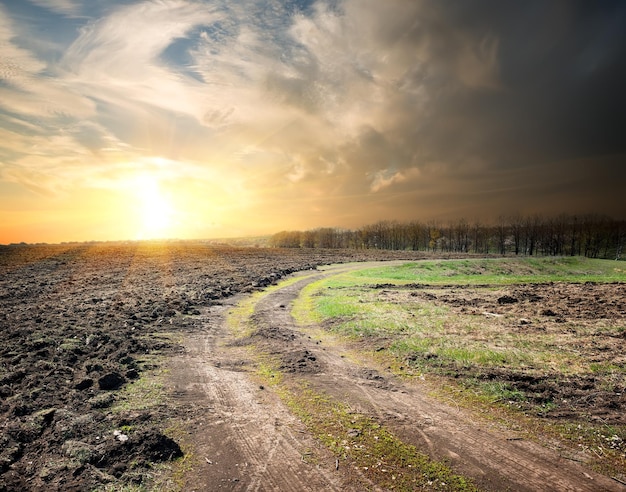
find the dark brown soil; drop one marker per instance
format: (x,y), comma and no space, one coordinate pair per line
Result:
(75,328)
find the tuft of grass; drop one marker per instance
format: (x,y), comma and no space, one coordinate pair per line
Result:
(496,391)
(69,344)
(173,475)
(120,487)
(144,393)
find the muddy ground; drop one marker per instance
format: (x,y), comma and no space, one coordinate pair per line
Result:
(77,324)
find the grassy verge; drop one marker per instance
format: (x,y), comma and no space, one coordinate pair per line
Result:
(498,271)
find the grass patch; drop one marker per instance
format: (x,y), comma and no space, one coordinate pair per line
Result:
(124,488)
(173,475)
(434,336)
(70,344)
(498,270)
(145,393)
(495,391)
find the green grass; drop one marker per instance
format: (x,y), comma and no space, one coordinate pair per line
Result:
(500,271)
(414,327)
(148,391)
(406,332)
(494,391)
(144,393)
(425,336)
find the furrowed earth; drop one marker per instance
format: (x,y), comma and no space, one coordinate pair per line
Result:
(81,324)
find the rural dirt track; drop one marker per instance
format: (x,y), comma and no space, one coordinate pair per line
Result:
(79,325)
(244,438)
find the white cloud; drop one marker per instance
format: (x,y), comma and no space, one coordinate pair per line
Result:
(29,91)
(17,65)
(386,178)
(117,57)
(67,7)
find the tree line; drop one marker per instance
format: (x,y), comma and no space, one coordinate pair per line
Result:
(592,236)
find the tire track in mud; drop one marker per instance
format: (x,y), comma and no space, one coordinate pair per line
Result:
(243,437)
(246,439)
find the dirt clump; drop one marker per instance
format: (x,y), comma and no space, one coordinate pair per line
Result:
(301,361)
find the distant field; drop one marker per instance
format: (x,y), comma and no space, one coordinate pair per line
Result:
(501,271)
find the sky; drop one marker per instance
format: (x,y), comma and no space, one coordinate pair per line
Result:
(126,119)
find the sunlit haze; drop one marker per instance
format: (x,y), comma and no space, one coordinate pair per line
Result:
(211,118)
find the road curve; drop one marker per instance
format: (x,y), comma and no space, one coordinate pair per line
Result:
(252,442)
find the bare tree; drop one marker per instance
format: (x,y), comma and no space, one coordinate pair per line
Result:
(592,235)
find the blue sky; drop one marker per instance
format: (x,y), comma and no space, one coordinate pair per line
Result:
(248,117)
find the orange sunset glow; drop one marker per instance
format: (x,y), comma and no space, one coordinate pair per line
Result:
(206,118)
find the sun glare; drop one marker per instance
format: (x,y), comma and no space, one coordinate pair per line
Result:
(155,213)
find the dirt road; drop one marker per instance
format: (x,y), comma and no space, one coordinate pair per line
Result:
(244,438)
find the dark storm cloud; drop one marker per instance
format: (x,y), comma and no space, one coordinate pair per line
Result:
(561,73)
(534,86)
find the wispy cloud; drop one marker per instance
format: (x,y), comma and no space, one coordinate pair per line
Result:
(17,65)
(118,57)
(66,7)
(29,91)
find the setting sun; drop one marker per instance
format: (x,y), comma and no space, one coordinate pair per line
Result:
(154,212)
